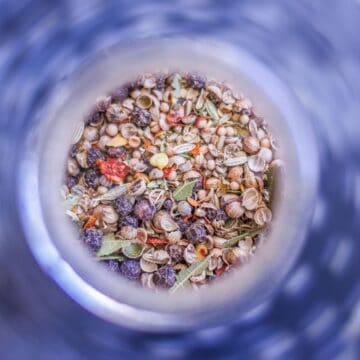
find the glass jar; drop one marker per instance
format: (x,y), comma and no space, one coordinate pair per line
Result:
(53,239)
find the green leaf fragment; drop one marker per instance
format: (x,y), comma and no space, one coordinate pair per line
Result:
(184,191)
(75,218)
(242,132)
(233,241)
(224,119)
(209,273)
(272,176)
(229,222)
(194,270)
(211,110)
(176,85)
(112,257)
(113,193)
(71,201)
(157,183)
(133,250)
(110,245)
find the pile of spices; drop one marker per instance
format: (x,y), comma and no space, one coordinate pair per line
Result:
(169,180)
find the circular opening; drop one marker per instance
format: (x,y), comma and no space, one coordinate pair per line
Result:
(54,241)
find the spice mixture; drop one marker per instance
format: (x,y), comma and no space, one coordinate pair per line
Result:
(169,180)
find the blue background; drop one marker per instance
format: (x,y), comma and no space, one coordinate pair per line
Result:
(314,47)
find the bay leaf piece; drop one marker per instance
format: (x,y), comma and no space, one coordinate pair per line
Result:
(113,193)
(184,275)
(184,191)
(233,241)
(110,245)
(133,250)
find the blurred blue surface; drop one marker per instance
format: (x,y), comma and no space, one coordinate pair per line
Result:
(314,47)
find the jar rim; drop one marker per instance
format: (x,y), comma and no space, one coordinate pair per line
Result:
(69,264)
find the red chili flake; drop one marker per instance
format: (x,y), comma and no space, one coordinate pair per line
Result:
(168,170)
(204,182)
(218,272)
(156,241)
(90,223)
(147,143)
(113,169)
(203,252)
(173,118)
(218,126)
(196,150)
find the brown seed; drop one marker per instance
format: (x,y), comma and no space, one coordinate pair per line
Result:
(265,142)
(212,183)
(262,216)
(251,145)
(251,198)
(235,173)
(234,210)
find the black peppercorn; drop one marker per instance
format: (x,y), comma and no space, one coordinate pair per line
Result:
(115,151)
(144,210)
(91,178)
(123,206)
(196,81)
(176,252)
(93,155)
(129,220)
(165,277)
(196,233)
(130,269)
(140,117)
(92,238)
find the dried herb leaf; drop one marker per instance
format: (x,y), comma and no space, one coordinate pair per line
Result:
(113,193)
(272,176)
(209,273)
(74,217)
(183,148)
(233,241)
(242,132)
(111,245)
(239,160)
(200,101)
(156,184)
(229,222)
(184,275)
(71,201)
(176,85)
(211,110)
(112,257)
(133,250)
(184,191)
(224,119)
